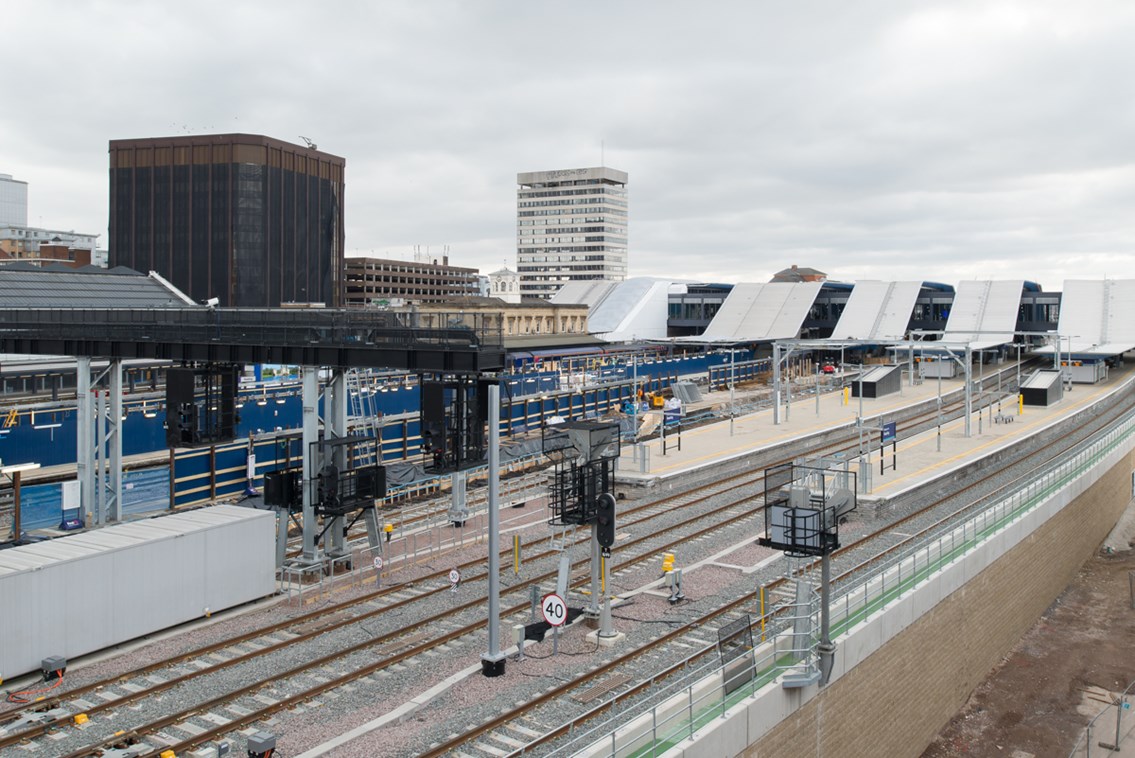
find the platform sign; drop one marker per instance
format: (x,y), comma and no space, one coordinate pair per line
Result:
(554,609)
(889,434)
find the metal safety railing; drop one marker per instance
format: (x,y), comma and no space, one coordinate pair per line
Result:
(703,693)
(1114,738)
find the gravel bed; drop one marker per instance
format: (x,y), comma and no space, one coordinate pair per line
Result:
(476,697)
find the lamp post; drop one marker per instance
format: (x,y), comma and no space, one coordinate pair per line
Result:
(732,382)
(859,417)
(819,373)
(1021,345)
(634,396)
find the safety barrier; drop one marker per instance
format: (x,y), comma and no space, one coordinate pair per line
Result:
(703,694)
(1122,705)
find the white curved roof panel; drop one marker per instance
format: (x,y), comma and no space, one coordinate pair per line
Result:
(755,312)
(984,313)
(1098,316)
(877,311)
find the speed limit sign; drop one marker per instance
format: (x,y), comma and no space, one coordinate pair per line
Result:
(554,609)
(454,577)
(378,562)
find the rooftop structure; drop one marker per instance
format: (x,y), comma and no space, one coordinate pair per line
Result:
(622,311)
(1098,317)
(984,313)
(505,284)
(23,285)
(794,274)
(877,311)
(754,312)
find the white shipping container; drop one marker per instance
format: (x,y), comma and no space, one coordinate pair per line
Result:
(85,592)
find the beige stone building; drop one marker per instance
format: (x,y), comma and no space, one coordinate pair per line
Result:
(523,319)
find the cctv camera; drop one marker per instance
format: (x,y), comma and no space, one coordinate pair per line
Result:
(212,302)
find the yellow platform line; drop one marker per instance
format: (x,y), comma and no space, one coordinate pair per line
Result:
(973,449)
(756,445)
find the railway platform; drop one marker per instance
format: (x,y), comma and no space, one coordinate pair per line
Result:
(910,462)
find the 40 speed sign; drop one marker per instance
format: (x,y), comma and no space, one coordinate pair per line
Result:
(554,609)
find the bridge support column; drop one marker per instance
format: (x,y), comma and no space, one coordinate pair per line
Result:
(113,443)
(969,388)
(309,437)
(85,446)
(775,383)
(335,422)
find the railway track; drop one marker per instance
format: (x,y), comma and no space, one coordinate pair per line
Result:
(848,569)
(278,637)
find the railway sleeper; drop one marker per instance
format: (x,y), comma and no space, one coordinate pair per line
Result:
(596,691)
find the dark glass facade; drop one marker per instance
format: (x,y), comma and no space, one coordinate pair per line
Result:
(249,220)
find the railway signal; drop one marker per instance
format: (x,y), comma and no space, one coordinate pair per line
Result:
(605,519)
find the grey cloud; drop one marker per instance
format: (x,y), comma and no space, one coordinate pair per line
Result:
(947,140)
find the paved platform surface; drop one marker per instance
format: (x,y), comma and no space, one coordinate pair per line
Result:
(919,458)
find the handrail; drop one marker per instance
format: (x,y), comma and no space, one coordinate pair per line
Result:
(669,722)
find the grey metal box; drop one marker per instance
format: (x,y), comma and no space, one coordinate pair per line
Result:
(261,742)
(85,592)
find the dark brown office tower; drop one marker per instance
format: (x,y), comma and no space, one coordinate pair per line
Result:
(249,220)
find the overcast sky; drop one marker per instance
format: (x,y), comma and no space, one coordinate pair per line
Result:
(883,140)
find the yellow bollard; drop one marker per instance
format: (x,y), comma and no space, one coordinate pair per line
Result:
(846,394)
(1020,404)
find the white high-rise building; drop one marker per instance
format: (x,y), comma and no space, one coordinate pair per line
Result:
(13,201)
(571,226)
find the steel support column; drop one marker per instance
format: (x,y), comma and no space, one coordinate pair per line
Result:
(335,422)
(115,420)
(969,387)
(775,383)
(85,444)
(310,466)
(493,661)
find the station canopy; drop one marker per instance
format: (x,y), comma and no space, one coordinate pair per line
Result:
(983,315)
(23,285)
(761,312)
(877,311)
(589,293)
(635,308)
(1098,316)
